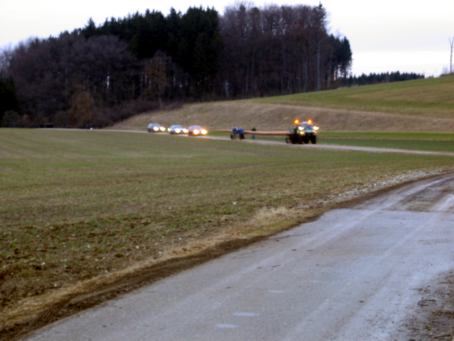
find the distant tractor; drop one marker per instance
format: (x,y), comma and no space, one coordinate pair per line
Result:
(237,133)
(302,132)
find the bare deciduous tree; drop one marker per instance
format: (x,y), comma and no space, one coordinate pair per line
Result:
(96,75)
(280,49)
(82,108)
(156,75)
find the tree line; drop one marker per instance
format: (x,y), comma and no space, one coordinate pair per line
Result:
(99,74)
(385,77)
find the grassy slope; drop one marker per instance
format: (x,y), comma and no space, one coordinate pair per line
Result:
(427,97)
(74,205)
(421,105)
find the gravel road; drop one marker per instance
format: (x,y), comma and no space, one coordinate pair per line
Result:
(307,146)
(354,274)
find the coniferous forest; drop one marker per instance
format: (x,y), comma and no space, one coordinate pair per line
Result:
(100,74)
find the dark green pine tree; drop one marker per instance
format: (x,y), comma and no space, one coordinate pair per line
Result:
(8,101)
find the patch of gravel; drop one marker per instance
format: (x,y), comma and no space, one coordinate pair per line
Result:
(373,187)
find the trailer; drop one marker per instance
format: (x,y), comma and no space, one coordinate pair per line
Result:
(301,133)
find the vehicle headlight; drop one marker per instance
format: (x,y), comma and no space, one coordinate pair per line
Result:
(316,128)
(177,131)
(185,131)
(155,128)
(196,132)
(204,131)
(162,129)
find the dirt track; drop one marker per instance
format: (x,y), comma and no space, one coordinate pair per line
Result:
(345,148)
(317,146)
(355,274)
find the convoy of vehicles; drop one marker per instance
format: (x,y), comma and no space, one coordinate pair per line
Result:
(302,132)
(177,129)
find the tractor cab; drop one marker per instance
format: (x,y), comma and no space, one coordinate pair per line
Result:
(302,132)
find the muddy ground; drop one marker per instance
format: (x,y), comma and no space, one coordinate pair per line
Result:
(433,318)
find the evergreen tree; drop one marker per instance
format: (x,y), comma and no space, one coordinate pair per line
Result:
(8,101)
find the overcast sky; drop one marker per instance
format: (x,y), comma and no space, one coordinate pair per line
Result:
(385,35)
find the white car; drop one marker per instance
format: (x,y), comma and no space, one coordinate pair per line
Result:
(155,128)
(177,129)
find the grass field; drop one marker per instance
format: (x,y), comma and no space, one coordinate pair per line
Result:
(443,142)
(427,97)
(77,204)
(427,141)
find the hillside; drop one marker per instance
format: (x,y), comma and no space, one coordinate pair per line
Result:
(420,105)
(432,96)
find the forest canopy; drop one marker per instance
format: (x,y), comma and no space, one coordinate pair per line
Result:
(99,74)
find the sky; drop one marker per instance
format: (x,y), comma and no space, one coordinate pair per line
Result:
(385,35)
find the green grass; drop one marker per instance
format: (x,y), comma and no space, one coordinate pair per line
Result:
(425,141)
(427,97)
(76,204)
(443,142)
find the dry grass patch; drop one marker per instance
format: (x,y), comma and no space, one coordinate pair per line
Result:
(268,215)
